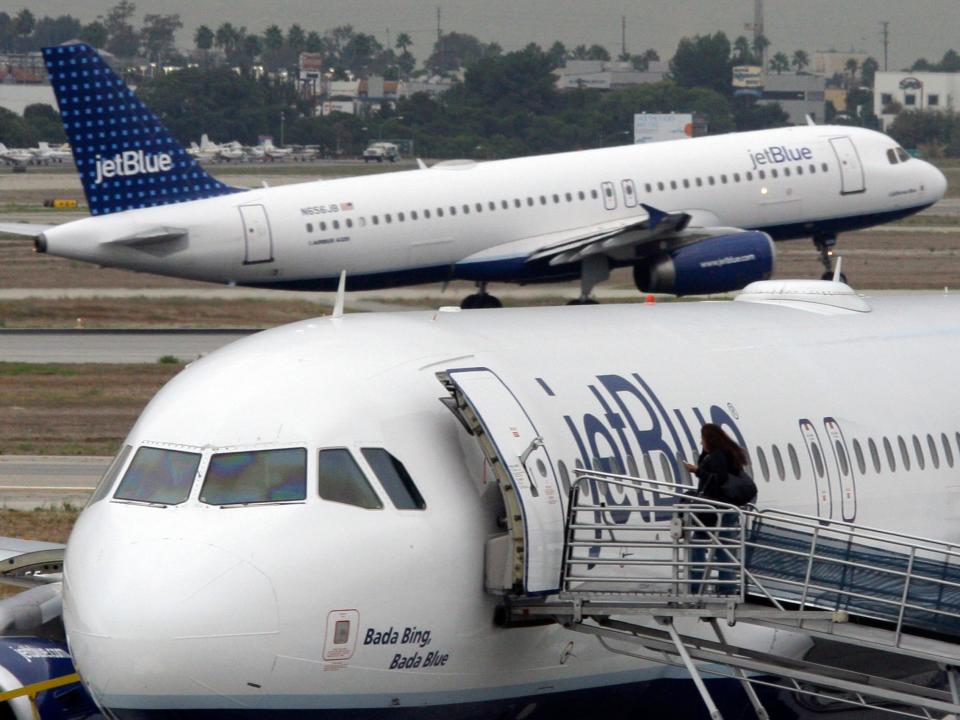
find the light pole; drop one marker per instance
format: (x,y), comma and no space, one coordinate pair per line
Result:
(282,118)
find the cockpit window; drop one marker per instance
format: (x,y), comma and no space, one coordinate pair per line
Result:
(902,154)
(256,476)
(342,480)
(892,156)
(159,476)
(110,476)
(395,479)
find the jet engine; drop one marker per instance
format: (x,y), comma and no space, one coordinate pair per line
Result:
(26,660)
(716,264)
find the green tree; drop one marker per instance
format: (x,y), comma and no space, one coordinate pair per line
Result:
(273,38)
(598,52)
(851,67)
(157,35)
(95,34)
(43,121)
(296,39)
(123,41)
(228,39)
(759,45)
(558,54)
(405,60)
(203,38)
(23,25)
(7,32)
(458,50)
(868,71)
(51,31)
(314,42)
(703,61)
(800,60)
(779,62)
(741,51)
(748,114)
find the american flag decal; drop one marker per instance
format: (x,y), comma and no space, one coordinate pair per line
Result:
(346,206)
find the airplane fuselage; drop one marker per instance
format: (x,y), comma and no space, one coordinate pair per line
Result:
(481,221)
(314,605)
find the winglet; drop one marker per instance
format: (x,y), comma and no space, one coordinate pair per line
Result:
(810,120)
(341,295)
(421,164)
(655,215)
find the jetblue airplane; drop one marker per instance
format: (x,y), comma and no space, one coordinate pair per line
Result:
(299,526)
(691,216)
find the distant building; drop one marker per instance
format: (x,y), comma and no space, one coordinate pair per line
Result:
(897,91)
(830,63)
(798,94)
(607,75)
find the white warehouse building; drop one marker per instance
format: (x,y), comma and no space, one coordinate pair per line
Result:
(914,91)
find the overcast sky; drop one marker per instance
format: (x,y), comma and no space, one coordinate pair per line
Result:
(918,28)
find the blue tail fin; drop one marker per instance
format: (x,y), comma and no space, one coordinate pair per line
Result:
(125,156)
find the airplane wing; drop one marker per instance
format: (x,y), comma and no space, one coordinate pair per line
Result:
(638,236)
(28,229)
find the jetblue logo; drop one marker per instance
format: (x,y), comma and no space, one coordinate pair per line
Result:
(729,260)
(776,154)
(131,162)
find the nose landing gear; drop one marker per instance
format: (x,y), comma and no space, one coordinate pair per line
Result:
(824,245)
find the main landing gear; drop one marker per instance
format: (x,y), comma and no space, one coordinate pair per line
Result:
(824,245)
(594,269)
(481,299)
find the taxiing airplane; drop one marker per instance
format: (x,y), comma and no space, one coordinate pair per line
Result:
(691,216)
(298,525)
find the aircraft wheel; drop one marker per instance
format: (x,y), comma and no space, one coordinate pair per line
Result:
(583,301)
(829,276)
(479,301)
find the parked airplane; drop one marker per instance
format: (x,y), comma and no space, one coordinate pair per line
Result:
(692,216)
(43,154)
(296,523)
(268,151)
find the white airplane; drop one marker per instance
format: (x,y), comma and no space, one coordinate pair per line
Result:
(17,156)
(48,154)
(693,216)
(268,151)
(297,523)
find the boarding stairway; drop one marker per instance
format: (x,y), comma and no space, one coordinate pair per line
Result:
(659,575)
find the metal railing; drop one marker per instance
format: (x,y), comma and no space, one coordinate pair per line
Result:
(652,542)
(647,542)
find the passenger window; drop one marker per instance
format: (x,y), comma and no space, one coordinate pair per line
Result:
(309,227)
(904,455)
(426,214)
(529,202)
(813,169)
(947,450)
(341,480)
(569,197)
(350,221)
(323,227)
(764,468)
(564,476)
(794,460)
(387,218)
(934,455)
(375,219)
(699,182)
(413,214)
(648,467)
(786,172)
(581,195)
(710,180)
(516,202)
(665,468)
(736,177)
(493,206)
(395,479)
(648,187)
(110,476)
(673,184)
(842,457)
(799,169)
(660,186)
(778,461)
(761,175)
(686,183)
(543,200)
(888,451)
(773,173)
(861,461)
(159,476)
(723,179)
(749,176)
(874,455)
(336,224)
(593,194)
(918,449)
(439,212)
(556,198)
(466,209)
(817,459)
(400,217)
(259,476)
(453,210)
(824,167)
(478,207)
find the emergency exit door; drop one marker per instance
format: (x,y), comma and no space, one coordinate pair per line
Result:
(516,453)
(257,238)
(851,171)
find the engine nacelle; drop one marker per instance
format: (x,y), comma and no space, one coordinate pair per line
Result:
(717,264)
(28,660)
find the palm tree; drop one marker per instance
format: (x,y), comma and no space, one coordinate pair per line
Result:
(760,45)
(403,43)
(800,60)
(741,50)
(851,67)
(779,62)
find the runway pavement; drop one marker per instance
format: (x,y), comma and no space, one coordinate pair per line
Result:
(29,481)
(111,346)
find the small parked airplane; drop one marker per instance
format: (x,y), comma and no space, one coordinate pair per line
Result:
(689,216)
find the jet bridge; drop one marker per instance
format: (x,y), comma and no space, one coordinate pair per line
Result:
(643,563)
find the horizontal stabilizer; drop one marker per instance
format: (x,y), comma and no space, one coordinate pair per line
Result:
(27,229)
(149,237)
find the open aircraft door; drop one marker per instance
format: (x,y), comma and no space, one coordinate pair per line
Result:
(514,448)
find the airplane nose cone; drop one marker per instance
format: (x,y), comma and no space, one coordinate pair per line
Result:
(148,616)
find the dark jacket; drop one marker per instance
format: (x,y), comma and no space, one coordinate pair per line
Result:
(712,471)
